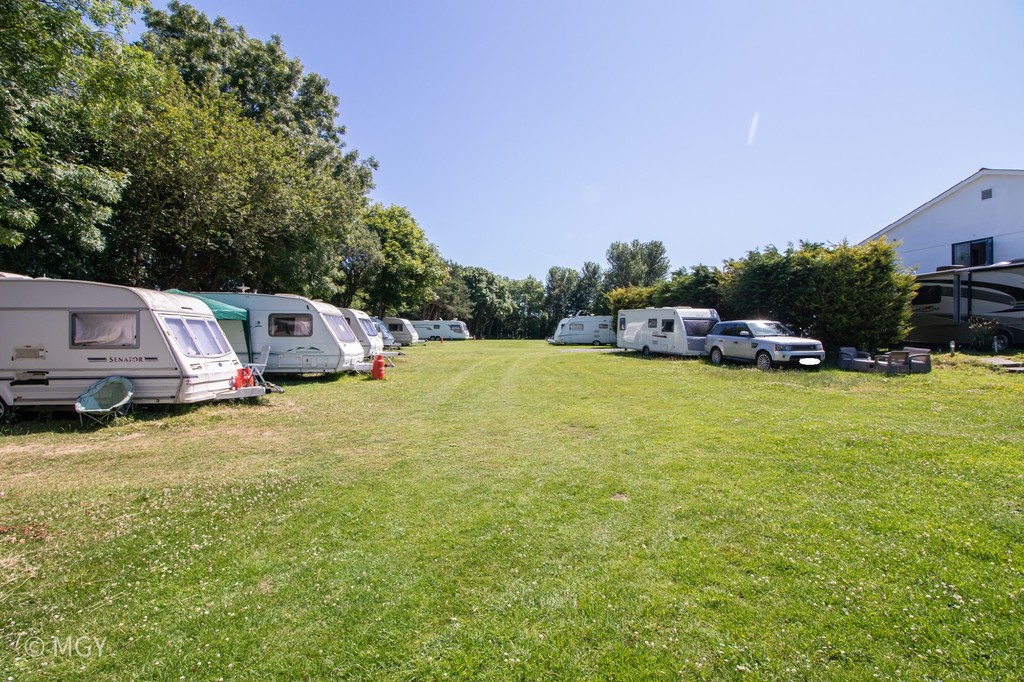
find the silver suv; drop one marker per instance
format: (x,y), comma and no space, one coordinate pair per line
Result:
(763,342)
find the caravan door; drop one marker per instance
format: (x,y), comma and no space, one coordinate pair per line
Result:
(667,337)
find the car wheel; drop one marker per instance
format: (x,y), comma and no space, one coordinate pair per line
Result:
(763,360)
(646,351)
(716,356)
(1001,341)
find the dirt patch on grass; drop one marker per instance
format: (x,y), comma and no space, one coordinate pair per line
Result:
(14,568)
(31,531)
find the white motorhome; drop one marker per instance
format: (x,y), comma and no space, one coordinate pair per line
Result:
(402,330)
(436,330)
(366,331)
(670,331)
(303,336)
(584,329)
(948,299)
(58,336)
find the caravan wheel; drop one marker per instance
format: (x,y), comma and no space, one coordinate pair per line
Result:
(1002,341)
(596,342)
(5,411)
(646,352)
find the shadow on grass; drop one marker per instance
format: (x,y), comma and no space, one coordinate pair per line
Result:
(26,421)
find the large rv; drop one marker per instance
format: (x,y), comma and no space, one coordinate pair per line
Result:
(437,330)
(365,330)
(584,329)
(402,330)
(302,336)
(946,301)
(58,336)
(670,331)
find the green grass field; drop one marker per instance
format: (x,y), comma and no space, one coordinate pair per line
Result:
(510,510)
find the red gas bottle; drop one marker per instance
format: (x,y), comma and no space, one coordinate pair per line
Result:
(377,371)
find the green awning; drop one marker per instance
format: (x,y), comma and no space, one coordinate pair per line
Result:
(221,311)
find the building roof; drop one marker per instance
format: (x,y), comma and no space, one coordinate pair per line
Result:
(949,192)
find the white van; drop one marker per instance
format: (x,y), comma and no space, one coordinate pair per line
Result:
(670,331)
(59,336)
(365,330)
(402,330)
(303,336)
(436,330)
(587,329)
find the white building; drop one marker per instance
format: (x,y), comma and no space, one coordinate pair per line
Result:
(978,221)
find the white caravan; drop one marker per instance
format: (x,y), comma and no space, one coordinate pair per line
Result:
(402,330)
(947,300)
(303,336)
(436,330)
(365,330)
(586,329)
(671,331)
(59,336)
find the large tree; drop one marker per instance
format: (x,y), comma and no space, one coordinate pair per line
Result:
(49,174)
(640,264)
(490,298)
(560,292)
(698,288)
(411,267)
(528,318)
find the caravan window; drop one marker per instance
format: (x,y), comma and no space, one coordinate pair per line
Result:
(291,325)
(209,337)
(930,294)
(575,327)
(340,329)
(668,326)
(368,326)
(602,326)
(184,340)
(197,338)
(622,323)
(652,323)
(396,327)
(697,327)
(105,330)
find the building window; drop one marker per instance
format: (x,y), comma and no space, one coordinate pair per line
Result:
(986,194)
(970,254)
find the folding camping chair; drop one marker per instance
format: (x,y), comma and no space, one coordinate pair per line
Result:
(106,399)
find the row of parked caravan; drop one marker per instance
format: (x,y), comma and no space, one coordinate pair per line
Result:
(689,331)
(59,337)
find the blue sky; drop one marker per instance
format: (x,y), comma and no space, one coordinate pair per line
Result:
(528,134)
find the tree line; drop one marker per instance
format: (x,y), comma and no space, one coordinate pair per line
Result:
(201,158)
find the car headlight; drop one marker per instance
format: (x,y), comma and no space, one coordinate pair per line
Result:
(784,347)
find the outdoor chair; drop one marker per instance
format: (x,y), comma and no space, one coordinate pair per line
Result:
(258,364)
(856,360)
(893,362)
(920,360)
(106,399)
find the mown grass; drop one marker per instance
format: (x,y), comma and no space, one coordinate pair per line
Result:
(509,510)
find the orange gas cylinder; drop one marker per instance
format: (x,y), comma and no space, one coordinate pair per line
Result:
(377,371)
(243,378)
